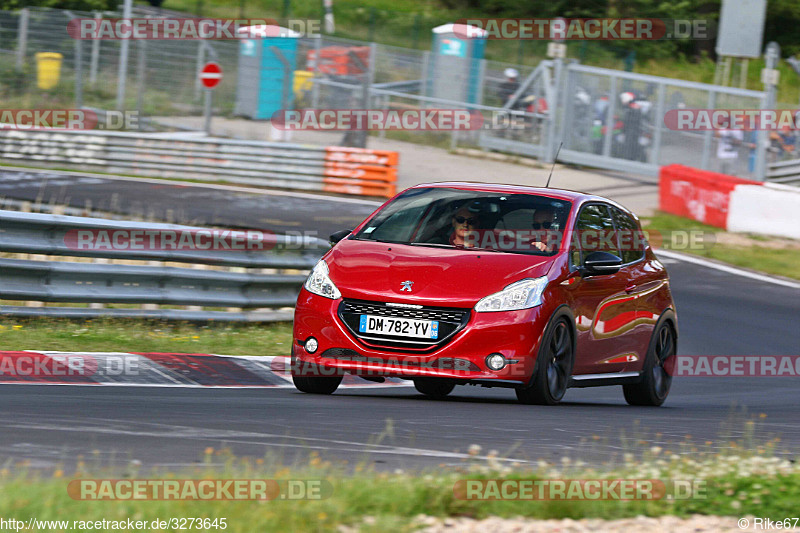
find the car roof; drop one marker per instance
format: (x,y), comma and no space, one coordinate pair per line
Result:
(576,197)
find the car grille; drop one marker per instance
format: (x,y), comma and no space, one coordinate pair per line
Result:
(450,321)
(444,363)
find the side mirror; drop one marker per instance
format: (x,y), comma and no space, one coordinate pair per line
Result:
(601,263)
(339,235)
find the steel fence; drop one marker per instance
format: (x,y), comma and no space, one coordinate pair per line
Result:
(227,282)
(787,172)
(599,128)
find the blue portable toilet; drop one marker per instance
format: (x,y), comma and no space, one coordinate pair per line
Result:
(455,65)
(263,84)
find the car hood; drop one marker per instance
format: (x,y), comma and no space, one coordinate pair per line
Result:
(447,277)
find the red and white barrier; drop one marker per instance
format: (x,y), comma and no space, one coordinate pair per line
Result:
(729,202)
(771,209)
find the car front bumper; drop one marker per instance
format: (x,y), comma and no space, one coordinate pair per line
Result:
(514,334)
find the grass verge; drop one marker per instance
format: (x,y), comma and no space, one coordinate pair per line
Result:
(776,256)
(756,484)
(117,335)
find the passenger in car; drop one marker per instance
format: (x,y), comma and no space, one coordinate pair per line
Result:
(544,228)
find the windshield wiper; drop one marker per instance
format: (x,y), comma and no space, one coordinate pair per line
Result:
(430,244)
(382,241)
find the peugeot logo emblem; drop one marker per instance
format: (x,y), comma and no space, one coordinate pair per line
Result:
(406,286)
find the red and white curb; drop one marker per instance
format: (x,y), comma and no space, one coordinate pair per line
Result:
(155,370)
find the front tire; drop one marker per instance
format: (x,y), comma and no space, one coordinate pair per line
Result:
(317,385)
(553,367)
(435,388)
(656,380)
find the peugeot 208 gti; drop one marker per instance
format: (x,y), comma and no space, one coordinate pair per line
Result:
(452,284)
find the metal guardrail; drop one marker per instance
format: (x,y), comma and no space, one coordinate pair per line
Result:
(31,280)
(786,172)
(279,165)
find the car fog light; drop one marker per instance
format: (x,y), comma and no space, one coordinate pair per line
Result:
(495,361)
(311,345)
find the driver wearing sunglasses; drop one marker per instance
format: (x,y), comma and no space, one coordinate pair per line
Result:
(543,221)
(463,222)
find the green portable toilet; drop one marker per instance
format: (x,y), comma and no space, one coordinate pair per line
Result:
(263,82)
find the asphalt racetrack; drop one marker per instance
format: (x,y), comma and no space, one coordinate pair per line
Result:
(189,204)
(719,313)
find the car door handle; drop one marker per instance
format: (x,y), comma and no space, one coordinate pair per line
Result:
(630,288)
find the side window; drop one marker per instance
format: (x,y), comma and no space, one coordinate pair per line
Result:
(594,233)
(631,238)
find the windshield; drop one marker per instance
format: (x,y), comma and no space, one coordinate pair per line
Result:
(443,217)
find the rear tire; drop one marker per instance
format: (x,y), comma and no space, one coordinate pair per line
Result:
(553,367)
(656,380)
(317,385)
(436,388)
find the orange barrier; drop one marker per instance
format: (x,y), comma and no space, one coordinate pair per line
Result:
(360,171)
(337,61)
(697,194)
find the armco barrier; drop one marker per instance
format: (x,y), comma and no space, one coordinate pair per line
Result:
(697,194)
(731,203)
(281,165)
(30,280)
(784,172)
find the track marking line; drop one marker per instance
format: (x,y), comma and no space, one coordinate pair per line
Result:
(258,438)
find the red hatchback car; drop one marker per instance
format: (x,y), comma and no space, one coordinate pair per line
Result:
(452,284)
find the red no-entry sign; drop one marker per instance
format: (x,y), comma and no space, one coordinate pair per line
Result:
(211,75)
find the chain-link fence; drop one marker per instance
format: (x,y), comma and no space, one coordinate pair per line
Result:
(605,118)
(616,120)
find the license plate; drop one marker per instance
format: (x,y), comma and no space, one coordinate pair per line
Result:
(400,327)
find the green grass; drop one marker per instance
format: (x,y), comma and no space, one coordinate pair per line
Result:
(731,485)
(18,90)
(778,261)
(117,335)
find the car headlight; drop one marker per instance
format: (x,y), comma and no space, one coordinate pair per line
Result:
(520,295)
(319,283)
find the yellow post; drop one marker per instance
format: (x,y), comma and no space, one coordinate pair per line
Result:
(48,69)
